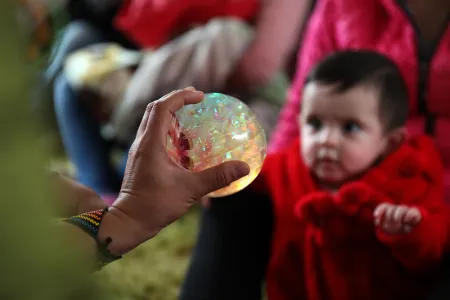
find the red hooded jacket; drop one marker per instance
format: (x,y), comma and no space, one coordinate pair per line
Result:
(383,26)
(325,247)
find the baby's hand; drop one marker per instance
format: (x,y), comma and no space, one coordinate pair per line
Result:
(396,219)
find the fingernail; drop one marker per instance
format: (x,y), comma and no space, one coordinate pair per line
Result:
(241,170)
(190,88)
(194,95)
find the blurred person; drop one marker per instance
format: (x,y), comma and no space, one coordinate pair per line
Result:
(413,33)
(90,23)
(148,200)
(44,258)
(81,127)
(353,209)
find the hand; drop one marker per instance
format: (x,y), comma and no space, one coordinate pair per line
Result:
(396,219)
(156,191)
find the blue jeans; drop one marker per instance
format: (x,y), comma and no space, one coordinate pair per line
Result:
(80,132)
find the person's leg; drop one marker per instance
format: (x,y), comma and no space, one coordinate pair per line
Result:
(77,35)
(89,152)
(232,251)
(80,133)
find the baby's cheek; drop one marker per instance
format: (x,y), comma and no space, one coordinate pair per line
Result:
(359,159)
(307,156)
(307,153)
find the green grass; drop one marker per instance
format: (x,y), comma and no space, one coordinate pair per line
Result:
(156,269)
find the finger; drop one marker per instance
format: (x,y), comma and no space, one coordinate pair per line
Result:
(162,113)
(413,216)
(175,103)
(144,120)
(393,219)
(379,212)
(399,213)
(190,88)
(388,227)
(389,214)
(148,109)
(218,177)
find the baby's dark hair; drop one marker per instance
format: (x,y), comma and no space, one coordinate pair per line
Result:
(348,69)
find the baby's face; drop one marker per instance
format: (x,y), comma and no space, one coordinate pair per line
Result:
(342,134)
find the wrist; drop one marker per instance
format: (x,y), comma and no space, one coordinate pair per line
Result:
(124,233)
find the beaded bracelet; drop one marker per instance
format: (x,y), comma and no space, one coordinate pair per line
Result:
(90,222)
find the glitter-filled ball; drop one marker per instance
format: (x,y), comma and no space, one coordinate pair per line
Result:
(218,129)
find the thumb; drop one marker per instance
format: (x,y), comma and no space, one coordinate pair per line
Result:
(220,176)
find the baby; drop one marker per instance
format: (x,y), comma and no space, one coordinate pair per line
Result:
(343,134)
(358,205)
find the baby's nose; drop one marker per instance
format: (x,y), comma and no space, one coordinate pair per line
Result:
(329,137)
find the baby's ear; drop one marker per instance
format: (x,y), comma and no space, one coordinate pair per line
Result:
(395,138)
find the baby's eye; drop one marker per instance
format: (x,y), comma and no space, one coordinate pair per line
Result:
(351,127)
(315,123)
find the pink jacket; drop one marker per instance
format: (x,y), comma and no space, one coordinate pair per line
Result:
(380,25)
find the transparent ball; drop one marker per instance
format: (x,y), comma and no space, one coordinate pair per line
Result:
(218,129)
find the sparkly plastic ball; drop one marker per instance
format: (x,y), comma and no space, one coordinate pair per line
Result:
(218,129)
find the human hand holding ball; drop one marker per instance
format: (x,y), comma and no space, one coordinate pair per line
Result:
(188,145)
(164,177)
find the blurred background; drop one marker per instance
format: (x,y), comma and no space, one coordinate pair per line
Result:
(93,67)
(77,75)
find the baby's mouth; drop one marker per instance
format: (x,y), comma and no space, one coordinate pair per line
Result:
(327,155)
(328,160)
(327,164)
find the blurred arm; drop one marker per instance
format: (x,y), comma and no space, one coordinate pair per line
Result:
(277,34)
(317,43)
(74,198)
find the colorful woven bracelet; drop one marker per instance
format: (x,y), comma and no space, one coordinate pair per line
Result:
(90,223)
